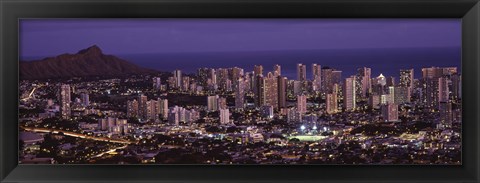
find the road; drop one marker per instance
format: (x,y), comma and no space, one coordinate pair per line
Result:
(78,135)
(110,151)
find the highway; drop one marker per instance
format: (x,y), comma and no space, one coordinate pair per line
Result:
(78,135)
(109,151)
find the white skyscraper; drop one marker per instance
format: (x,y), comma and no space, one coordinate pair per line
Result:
(332,100)
(157,84)
(224,116)
(65,100)
(316,77)
(302,104)
(349,102)
(177,74)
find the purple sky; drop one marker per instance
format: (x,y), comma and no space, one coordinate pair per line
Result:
(49,37)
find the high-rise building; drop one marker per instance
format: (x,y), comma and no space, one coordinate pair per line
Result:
(259,91)
(336,77)
(240,94)
(258,70)
(157,83)
(271,91)
(391,94)
(222,103)
(390,81)
(178,114)
(282,91)
(406,79)
(378,85)
(203,74)
(191,115)
(132,108)
(182,114)
(430,92)
(401,94)
(302,104)
(65,100)
(277,70)
(436,85)
(185,83)
(446,114)
(374,101)
(384,99)
(381,80)
(212,103)
(174,115)
(152,112)
(390,112)
(456,87)
(432,72)
(142,106)
(85,99)
(316,71)
(113,125)
(448,71)
(363,85)
(297,87)
(228,85)
(301,72)
(349,100)
(222,77)
(177,75)
(224,116)
(326,80)
(212,74)
(443,91)
(162,107)
(171,82)
(194,88)
(293,115)
(332,100)
(332,105)
(235,73)
(316,77)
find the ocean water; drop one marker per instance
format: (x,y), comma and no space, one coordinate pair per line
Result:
(386,61)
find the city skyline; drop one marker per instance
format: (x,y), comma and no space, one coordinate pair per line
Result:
(290,69)
(382,95)
(374,106)
(157,43)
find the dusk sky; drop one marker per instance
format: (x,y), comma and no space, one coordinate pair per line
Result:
(50,37)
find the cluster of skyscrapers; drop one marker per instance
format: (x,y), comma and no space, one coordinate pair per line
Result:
(157,110)
(437,90)
(230,104)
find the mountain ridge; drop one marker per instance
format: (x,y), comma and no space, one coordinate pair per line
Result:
(87,62)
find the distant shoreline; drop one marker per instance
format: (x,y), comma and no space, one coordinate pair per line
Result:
(387,61)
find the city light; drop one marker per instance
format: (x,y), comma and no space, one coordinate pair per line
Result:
(336,106)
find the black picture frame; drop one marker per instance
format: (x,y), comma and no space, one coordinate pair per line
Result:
(12,10)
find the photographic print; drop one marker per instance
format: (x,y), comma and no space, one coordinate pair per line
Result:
(240,91)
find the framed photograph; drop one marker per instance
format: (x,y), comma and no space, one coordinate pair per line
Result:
(239,91)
